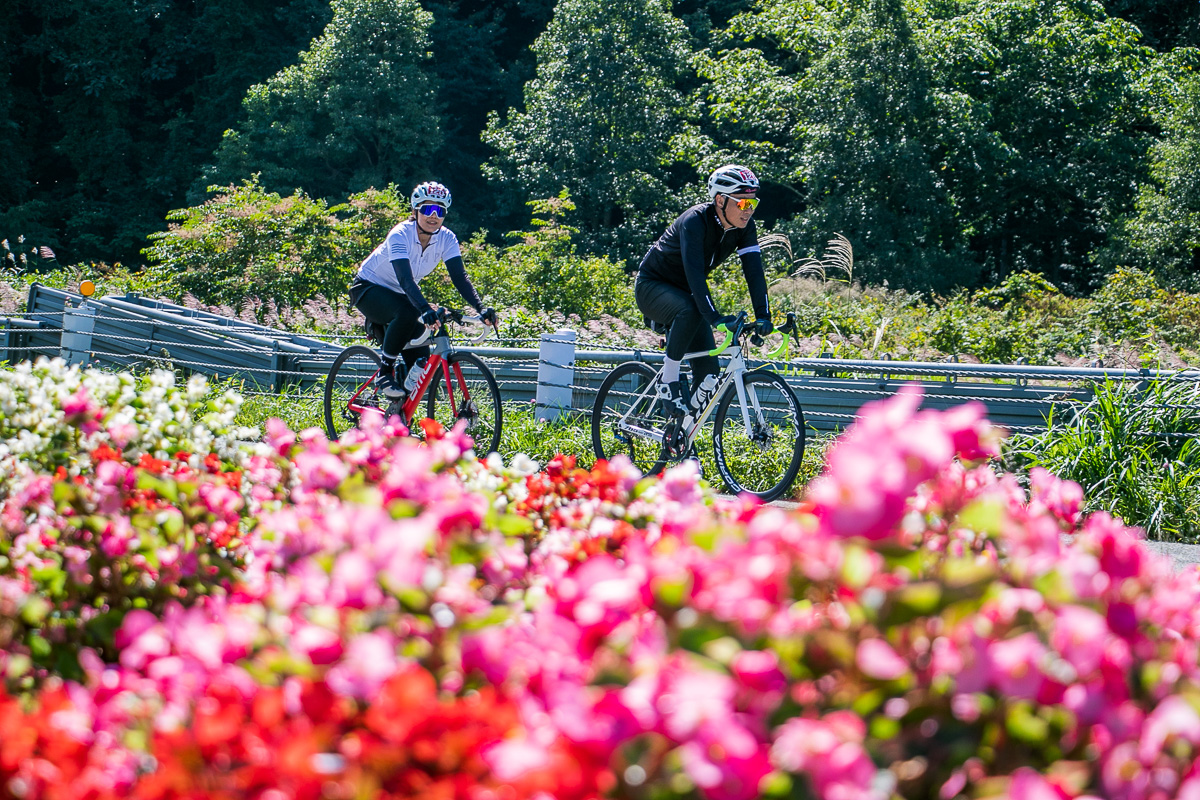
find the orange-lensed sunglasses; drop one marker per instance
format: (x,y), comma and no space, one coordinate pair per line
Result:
(745,202)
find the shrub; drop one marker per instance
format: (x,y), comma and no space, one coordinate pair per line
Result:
(543,272)
(246,243)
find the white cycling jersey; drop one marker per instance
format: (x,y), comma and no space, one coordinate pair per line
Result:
(402,242)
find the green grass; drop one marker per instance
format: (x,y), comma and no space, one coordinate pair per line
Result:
(1135,452)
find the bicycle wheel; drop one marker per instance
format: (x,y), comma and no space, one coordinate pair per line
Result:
(475,398)
(765,457)
(349,389)
(626,418)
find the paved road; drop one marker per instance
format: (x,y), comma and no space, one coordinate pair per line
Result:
(1183,555)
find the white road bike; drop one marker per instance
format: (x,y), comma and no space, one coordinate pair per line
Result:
(753,418)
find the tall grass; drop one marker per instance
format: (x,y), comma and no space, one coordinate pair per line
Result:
(1135,451)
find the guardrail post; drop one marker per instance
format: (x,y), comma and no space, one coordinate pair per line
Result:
(78,325)
(556,374)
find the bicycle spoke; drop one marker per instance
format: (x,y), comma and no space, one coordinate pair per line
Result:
(465,389)
(627,419)
(349,390)
(762,457)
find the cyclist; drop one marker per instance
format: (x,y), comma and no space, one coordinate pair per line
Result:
(385,287)
(672,280)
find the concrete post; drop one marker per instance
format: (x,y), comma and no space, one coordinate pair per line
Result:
(78,324)
(556,374)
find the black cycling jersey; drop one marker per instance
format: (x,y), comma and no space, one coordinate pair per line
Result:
(693,246)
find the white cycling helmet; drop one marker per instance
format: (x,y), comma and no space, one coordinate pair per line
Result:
(430,192)
(732,179)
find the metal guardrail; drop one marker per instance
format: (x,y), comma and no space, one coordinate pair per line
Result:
(131,332)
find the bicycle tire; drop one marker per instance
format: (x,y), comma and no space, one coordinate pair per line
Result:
(765,460)
(353,367)
(478,401)
(619,395)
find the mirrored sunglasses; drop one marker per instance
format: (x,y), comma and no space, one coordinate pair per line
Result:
(745,202)
(432,210)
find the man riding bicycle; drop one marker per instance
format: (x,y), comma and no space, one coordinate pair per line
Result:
(672,280)
(385,288)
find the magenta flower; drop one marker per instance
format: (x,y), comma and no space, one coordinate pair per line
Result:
(726,761)
(1016,665)
(1080,636)
(829,751)
(876,659)
(82,411)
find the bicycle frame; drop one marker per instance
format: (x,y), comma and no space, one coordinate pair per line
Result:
(438,363)
(732,372)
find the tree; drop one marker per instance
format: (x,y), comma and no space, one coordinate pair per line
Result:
(599,119)
(837,101)
(1163,234)
(1046,132)
(359,110)
(1165,24)
(116,103)
(484,45)
(953,143)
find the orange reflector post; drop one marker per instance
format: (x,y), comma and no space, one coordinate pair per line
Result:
(87,288)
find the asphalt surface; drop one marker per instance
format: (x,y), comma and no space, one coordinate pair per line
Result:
(1184,555)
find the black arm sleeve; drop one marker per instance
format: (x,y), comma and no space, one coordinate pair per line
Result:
(408,285)
(691,250)
(458,276)
(756,281)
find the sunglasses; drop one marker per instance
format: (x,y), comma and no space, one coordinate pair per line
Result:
(432,210)
(745,202)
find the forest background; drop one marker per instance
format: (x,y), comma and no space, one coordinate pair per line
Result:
(954,143)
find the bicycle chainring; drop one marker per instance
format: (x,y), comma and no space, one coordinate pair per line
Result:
(674,438)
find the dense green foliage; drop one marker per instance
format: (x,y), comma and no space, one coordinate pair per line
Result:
(112,108)
(953,142)
(357,112)
(247,243)
(599,119)
(1135,451)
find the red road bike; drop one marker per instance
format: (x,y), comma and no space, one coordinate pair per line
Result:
(455,385)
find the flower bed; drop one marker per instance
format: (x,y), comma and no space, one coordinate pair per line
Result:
(190,610)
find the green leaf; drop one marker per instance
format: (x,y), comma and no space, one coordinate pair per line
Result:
(1023,724)
(514,525)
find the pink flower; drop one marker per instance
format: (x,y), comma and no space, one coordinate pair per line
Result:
(876,659)
(758,670)
(1080,635)
(726,762)
(141,638)
(279,436)
(830,752)
(369,660)
(1173,718)
(1029,785)
(601,594)
(320,645)
(1063,499)
(81,411)
(1015,665)
(321,470)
